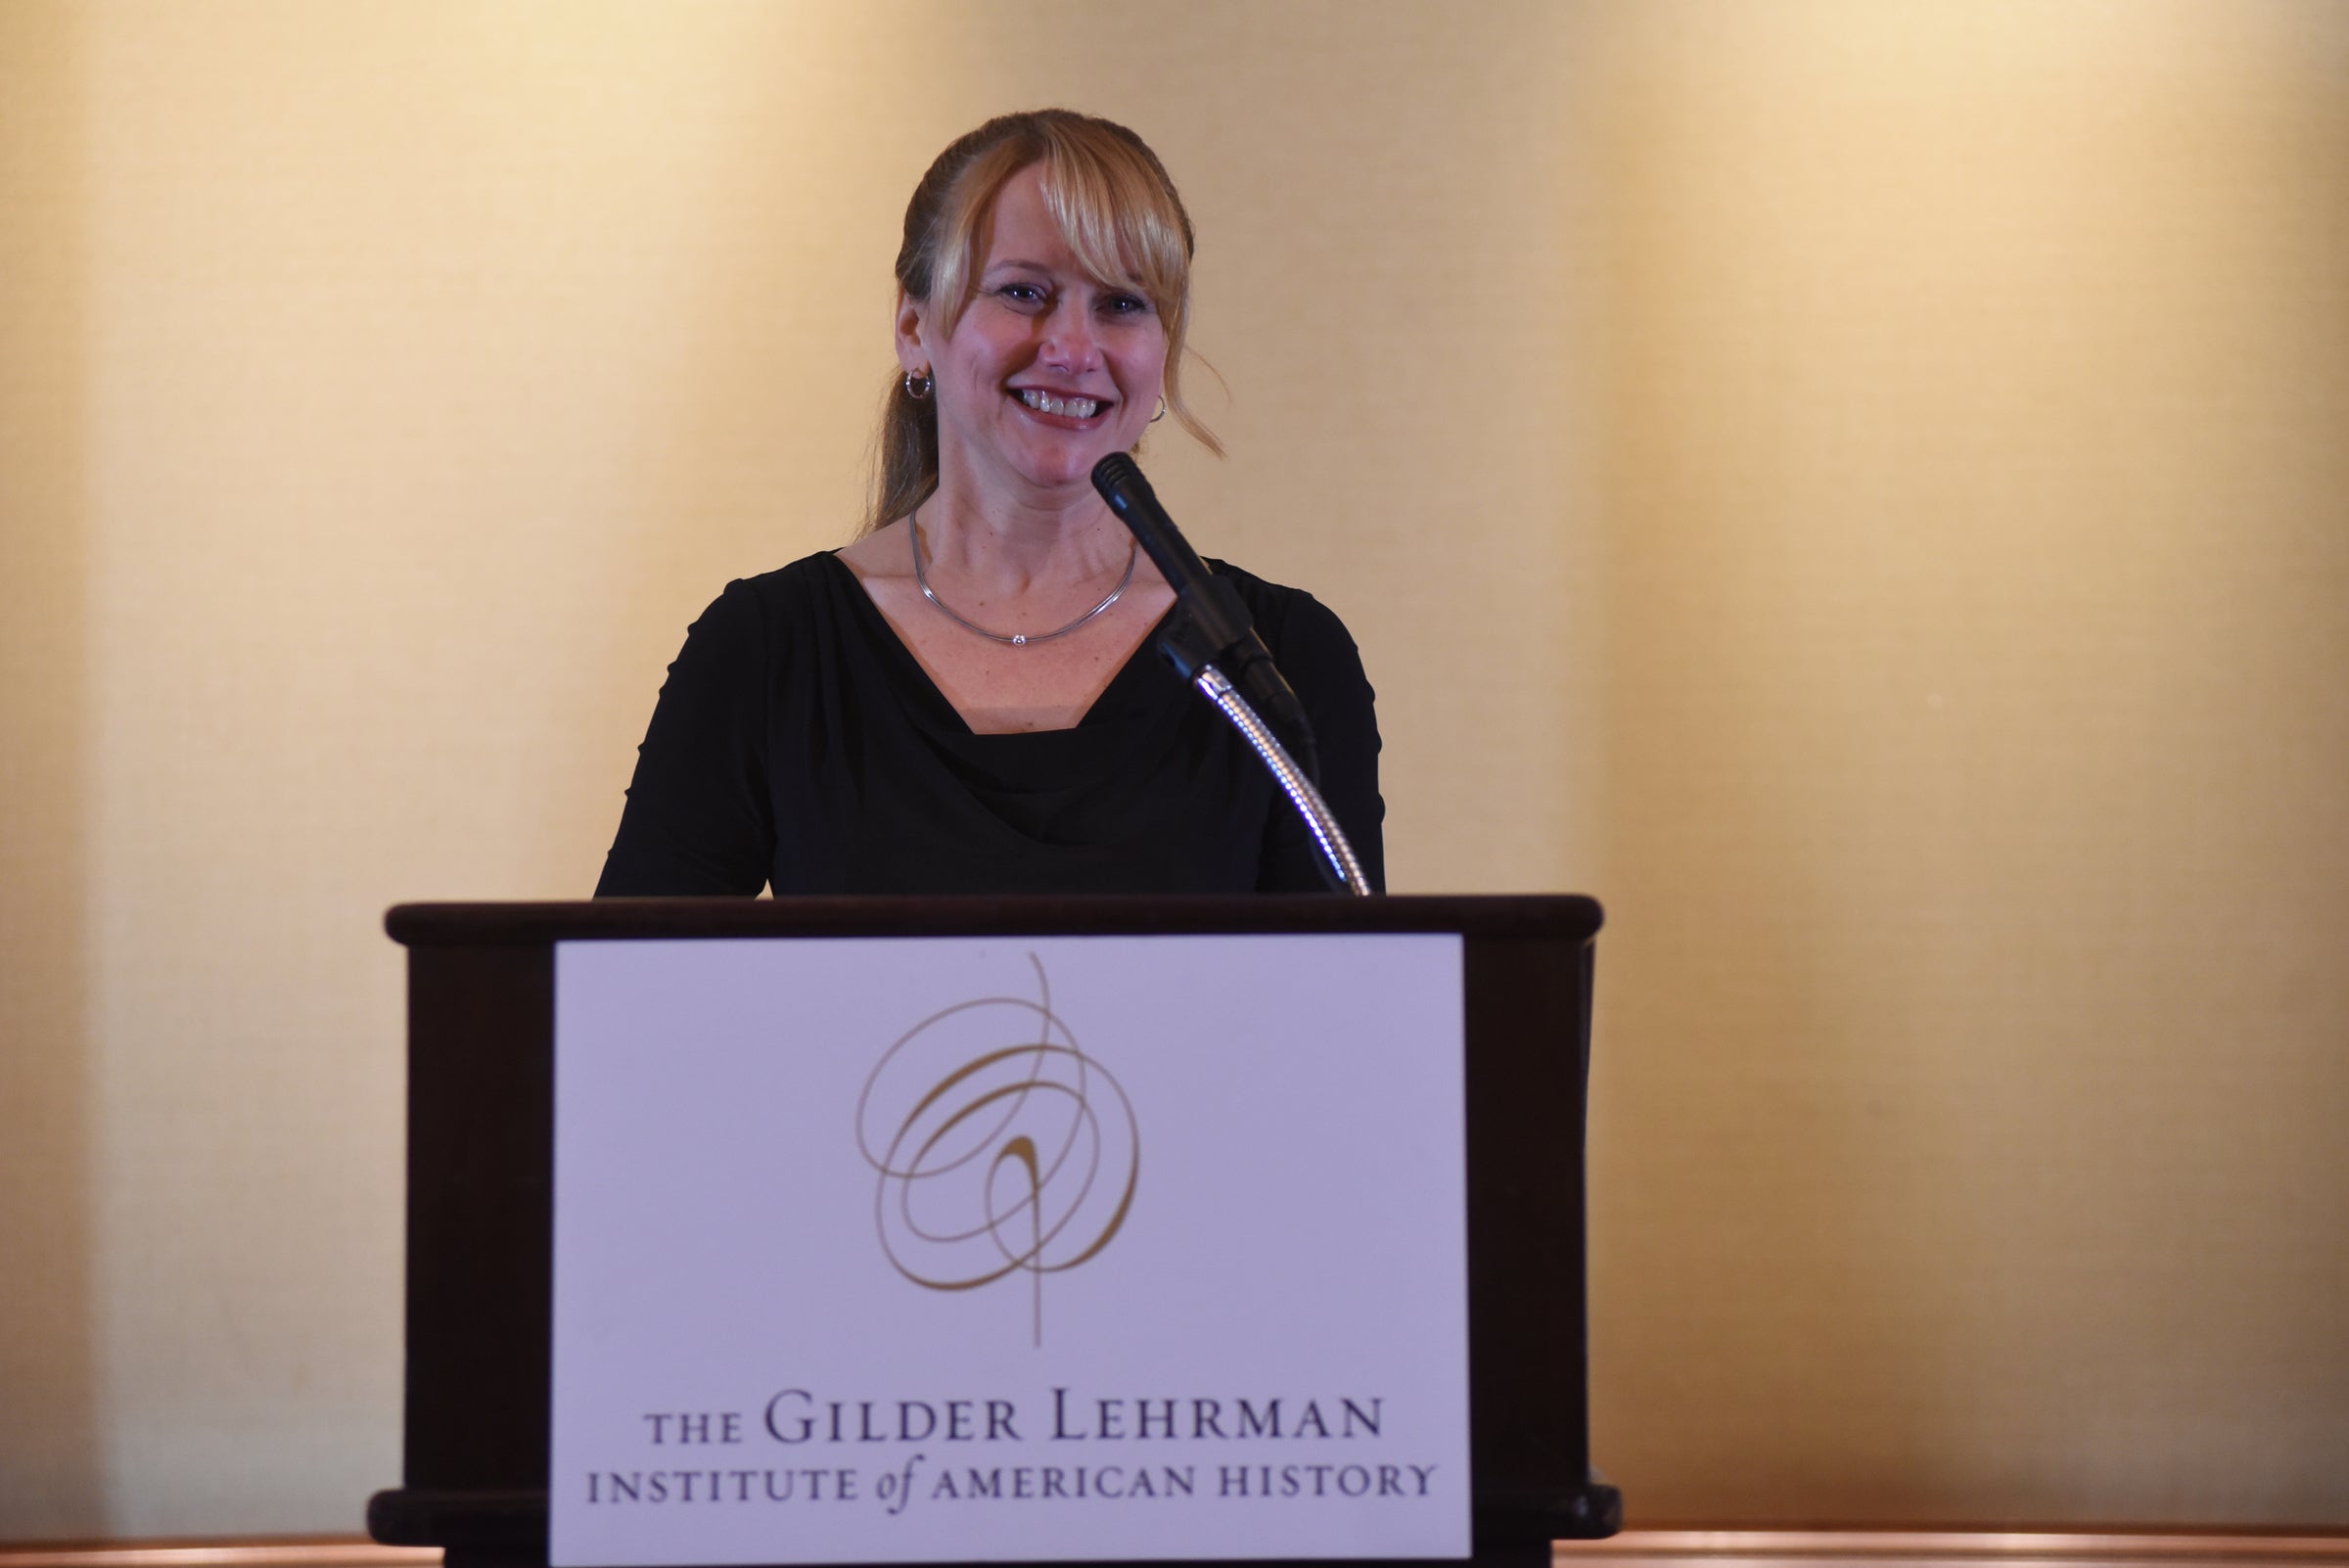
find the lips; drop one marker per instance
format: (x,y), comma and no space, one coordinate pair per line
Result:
(1060,406)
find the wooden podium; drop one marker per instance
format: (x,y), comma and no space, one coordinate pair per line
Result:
(480,1155)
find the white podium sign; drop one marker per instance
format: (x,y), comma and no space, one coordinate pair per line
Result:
(926,1250)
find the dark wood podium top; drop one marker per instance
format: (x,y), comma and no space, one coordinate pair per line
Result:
(1553,916)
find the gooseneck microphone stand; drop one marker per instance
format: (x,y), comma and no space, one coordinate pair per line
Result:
(1213,630)
(1338,860)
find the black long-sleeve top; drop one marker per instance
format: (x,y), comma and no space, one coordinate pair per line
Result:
(799,745)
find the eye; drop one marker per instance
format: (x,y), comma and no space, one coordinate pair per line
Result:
(1021,293)
(1122,304)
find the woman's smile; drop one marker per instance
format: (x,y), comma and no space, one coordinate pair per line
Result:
(1072,408)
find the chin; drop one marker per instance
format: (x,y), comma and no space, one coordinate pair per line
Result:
(1067,468)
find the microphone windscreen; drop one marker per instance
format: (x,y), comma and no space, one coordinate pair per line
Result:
(1119,472)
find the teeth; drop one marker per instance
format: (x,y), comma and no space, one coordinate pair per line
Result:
(1045,403)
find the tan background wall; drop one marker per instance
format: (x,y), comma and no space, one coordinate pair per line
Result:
(1860,487)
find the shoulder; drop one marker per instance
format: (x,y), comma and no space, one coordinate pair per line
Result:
(758,626)
(1291,621)
(804,593)
(809,578)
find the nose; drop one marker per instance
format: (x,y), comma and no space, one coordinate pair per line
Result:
(1069,343)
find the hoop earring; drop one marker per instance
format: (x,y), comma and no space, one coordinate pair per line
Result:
(1162,411)
(918,392)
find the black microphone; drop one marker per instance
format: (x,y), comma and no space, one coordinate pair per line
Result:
(1218,622)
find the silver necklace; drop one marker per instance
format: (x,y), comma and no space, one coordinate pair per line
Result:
(1018,639)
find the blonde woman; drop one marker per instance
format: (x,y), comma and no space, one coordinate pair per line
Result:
(967,699)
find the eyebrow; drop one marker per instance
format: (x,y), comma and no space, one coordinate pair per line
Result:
(1023,264)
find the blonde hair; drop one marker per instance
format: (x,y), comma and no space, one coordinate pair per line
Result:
(1116,208)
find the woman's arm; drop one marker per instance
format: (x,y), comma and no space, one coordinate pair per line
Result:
(699,819)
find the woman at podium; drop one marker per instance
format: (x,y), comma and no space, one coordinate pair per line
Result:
(968,699)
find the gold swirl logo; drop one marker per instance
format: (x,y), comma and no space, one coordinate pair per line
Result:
(1001,1148)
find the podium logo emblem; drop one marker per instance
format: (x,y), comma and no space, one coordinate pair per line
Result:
(1000,1148)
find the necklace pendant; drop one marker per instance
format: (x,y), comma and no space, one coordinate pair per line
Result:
(1019,640)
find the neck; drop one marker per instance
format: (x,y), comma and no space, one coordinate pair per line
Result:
(1010,543)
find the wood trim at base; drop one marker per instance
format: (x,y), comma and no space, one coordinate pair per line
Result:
(1645,1548)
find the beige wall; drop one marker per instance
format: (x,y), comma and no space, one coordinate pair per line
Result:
(1860,487)
(1974,1112)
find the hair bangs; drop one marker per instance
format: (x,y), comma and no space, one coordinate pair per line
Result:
(1121,222)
